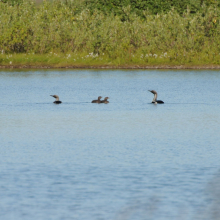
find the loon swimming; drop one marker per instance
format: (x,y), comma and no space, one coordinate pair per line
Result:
(98,100)
(105,100)
(155,101)
(57,99)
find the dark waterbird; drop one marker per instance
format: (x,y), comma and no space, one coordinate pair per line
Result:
(98,100)
(155,101)
(105,100)
(57,99)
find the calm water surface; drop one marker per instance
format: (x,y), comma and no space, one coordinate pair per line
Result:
(128,159)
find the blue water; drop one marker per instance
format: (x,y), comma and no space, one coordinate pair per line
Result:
(128,159)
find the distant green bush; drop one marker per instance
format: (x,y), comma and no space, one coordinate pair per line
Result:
(12,2)
(67,27)
(152,6)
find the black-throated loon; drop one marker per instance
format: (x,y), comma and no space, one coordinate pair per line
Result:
(98,100)
(105,100)
(155,101)
(57,99)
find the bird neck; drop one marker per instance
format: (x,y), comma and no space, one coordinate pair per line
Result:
(155,98)
(57,98)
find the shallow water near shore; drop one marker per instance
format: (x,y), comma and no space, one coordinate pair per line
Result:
(128,159)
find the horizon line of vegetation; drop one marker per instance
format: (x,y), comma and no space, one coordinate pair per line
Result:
(74,32)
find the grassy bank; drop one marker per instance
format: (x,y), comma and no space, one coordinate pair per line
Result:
(74,60)
(59,34)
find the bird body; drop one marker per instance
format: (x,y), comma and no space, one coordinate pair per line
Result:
(155,101)
(57,99)
(98,100)
(105,100)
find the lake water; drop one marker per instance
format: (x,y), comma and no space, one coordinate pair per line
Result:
(126,160)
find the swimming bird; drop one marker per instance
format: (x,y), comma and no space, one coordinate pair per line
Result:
(98,100)
(155,101)
(105,100)
(57,99)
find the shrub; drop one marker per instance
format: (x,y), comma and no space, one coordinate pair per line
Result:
(63,26)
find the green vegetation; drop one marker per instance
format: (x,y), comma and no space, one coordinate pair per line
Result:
(152,6)
(74,32)
(12,2)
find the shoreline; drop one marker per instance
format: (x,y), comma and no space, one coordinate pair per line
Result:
(211,67)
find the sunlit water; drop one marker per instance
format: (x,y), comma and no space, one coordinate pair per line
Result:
(128,159)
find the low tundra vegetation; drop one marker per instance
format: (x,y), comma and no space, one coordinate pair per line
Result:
(65,33)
